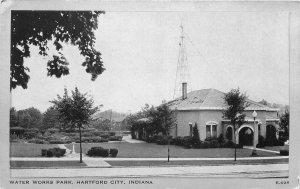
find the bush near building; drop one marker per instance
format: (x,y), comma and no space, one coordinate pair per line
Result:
(102,152)
(189,142)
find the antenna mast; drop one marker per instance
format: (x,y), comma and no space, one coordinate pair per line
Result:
(182,72)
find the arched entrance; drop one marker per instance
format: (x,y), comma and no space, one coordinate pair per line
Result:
(271,131)
(246,136)
(229,133)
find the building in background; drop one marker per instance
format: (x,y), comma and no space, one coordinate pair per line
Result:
(204,108)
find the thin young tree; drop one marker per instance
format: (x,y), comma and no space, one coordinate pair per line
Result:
(75,110)
(236,104)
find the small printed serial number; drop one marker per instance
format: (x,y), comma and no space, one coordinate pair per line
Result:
(282,182)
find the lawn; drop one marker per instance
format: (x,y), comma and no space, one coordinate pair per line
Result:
(277,148)
(28,149)
(194,163)
(138,150)
(45,164)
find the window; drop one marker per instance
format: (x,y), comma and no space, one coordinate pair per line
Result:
(211,130)
(208,131)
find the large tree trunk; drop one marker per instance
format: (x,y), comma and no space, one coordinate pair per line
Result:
(80,147)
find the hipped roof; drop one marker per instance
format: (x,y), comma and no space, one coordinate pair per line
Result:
(210,99)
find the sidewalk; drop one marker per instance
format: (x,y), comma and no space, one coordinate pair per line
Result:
(137,159)
(242,171)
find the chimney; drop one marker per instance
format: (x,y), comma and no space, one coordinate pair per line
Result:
(184,90)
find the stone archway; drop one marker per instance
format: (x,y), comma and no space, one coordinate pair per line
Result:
(229,133)
(245,136)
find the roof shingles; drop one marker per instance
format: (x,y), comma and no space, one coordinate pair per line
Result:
(209,99)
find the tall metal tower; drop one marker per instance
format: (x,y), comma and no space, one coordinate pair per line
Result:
(182,72)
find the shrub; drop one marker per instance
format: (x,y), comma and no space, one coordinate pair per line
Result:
(211,138)
(214,144)
(221,139)
(178,141)
(57,152)
(150,139)
(115,138)
(87,134)
(284,152)
(261,142)
(44,152)
(239,146)
(113,152)
(187,141)
(30,134)
(56,141)
(36,141)
(229,144)
(98,151)
(279,143)
(196,138)
(162,141)
(111,133)
(204,144)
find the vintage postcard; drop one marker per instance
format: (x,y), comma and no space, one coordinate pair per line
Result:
(152,94)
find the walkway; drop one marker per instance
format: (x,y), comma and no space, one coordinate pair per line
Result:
(242,171)
(136,159)
(260,149)
(130,140)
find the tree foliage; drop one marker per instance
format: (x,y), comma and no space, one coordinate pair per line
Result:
(51,118)
(13,121)
(159,119)
(75,110)
(29,118)
(39,28)
(236,104)
(102,125)
(285,122)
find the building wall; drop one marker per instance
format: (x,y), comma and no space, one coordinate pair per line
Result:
(183,120)
(201,117)
(209,116)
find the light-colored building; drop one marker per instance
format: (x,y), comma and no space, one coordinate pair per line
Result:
(205,108)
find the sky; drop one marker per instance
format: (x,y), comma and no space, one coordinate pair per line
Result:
(225,50)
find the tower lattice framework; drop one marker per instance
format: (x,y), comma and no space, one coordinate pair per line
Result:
(182,72)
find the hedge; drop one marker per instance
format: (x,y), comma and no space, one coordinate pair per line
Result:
(115,138)
(57,152)
(113,152)
(98,151)
(284,152)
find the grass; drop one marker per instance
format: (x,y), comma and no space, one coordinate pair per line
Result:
(149,150)
(45,164)
(277,148)
(194,163)
(138,150)
(28,149)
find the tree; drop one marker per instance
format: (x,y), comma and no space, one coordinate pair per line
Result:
(196,138)
(236,104)
(75,110)
(284,122)
(13,121)
(30,118)
(103,125)
(38,28)
(51,118)
(165,118)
